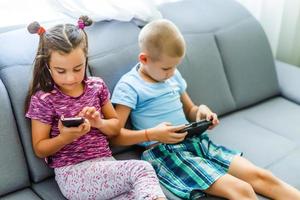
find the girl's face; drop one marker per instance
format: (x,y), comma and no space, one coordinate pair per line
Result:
(68,70)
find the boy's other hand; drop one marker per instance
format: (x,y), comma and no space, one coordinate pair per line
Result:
(166,133)
(205,113)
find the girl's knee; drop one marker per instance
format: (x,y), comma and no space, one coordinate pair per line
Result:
(144,165)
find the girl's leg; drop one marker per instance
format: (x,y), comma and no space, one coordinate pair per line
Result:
(262,181)
(232,188)
(100,179)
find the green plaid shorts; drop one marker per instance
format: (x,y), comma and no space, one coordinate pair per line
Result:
(190,167)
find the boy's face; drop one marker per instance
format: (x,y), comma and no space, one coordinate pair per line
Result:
(68,70)
(162,69)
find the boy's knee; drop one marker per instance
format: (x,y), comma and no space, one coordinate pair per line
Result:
(263,176)
(243,190)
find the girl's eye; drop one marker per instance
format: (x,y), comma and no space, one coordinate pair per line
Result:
(77,70)
(60,72)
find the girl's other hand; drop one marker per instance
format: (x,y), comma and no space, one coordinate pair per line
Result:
(166,133)
(69,134)
(92,115)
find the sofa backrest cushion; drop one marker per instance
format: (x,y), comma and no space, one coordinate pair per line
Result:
(248,62)
(13,169)
(15,72)
(237,54)
(203,71)
(113,52)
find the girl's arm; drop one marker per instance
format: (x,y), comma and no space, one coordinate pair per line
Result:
(45,146)
(109,125)
(164,132)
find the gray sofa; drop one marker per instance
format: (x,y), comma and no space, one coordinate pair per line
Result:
(228,66)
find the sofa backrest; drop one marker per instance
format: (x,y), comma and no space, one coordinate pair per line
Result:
(229,63)
(15,72)
(13,169)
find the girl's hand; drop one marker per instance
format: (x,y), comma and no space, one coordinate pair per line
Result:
(69,134)
(166,133)
(92,115)
(204,112)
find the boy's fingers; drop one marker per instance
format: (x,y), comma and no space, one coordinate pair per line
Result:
(177,128)
(179,135)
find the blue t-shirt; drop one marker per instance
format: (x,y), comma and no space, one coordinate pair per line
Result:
(151,103)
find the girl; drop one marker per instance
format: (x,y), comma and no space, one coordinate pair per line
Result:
(82,161)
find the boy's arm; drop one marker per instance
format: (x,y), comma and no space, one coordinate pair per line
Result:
(163,132)
(126,136)
(196,113)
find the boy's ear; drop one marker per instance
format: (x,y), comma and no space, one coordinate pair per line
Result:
(143,58)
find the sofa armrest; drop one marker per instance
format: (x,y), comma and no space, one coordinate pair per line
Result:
(289,80)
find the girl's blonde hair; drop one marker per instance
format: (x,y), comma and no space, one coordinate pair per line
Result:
(161,37)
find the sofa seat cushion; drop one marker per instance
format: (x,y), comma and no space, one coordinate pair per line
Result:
(288,168)
(279,115)
(260,145)
(21,195)
(48,190)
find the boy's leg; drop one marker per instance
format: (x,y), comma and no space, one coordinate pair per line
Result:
(263,181)
(232,188)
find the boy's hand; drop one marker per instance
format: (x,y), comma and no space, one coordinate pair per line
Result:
(204,112)
(166,133)
(69,134)
(92,115)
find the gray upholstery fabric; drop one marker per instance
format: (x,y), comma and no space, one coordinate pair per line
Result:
(114,50)
(48,189)
(16,79)
(203,70)
(248,62)
(228,66)
(288,168)
(26,194)
(260,141)
(17,54)
(289,81)
(278,115)
(13,169)
(203,16)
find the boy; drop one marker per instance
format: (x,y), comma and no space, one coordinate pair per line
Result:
(154,94)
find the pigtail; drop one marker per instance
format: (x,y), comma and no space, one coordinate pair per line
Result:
(84,21)
(36,28)
(41,78)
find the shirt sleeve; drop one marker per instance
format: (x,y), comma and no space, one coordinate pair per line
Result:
(40,109)
(125,94)
(104,94)
(180,80)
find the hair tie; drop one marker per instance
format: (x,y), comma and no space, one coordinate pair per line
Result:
(41,30)
(81,24)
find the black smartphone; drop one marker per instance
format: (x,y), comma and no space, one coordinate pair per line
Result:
(196,128)
(72,121)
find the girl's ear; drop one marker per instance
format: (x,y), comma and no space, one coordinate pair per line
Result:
(143,58)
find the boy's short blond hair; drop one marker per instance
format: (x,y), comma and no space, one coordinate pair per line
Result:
(161,37)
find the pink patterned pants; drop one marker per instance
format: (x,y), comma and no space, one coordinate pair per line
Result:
(106,178)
